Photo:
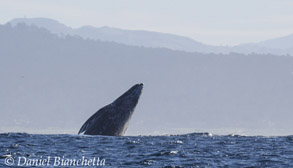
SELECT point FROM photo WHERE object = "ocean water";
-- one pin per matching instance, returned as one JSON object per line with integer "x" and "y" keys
{"x": 190, "y": 150}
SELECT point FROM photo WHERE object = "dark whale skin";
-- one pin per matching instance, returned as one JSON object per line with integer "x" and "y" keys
{"x": 113, "y": 119}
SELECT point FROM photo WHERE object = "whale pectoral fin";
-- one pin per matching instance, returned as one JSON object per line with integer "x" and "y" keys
{"x": 83, "y": 128}
{"x": 88, "y": 123}
{"x": 92, "y": 120}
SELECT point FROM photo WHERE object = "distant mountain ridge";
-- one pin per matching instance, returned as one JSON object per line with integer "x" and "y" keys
{"x": 279, "y": 43}
{"x": 129, "y": 37}
{"x": 278, "y": 46}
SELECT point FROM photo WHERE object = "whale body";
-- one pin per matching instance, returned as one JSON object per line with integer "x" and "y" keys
{"x": 113, "y": 119}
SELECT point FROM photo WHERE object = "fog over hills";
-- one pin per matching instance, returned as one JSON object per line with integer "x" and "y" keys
{"x": 52, "y": 82}
{"x": 279, "y": 46}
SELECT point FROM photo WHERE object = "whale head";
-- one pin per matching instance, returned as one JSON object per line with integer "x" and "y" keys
{"x": 129, "y": 98}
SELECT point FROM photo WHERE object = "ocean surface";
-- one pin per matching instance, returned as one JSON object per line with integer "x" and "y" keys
{"x": 190, "y": 150}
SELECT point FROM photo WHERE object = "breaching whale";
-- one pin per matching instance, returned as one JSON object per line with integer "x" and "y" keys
{"x": 113, "y": 119}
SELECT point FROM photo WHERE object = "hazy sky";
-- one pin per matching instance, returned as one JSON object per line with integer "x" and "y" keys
{"x": 218, "y": 22}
